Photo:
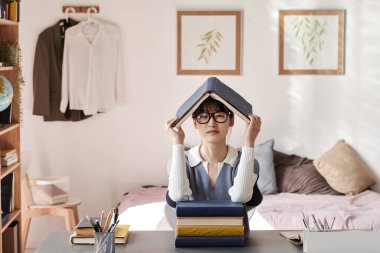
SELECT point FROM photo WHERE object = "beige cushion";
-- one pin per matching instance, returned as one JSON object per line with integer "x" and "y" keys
{"x": 344, "y": 170}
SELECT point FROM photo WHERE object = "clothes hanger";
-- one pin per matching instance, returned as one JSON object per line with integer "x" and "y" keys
{"x": 90, "y": 20}
{"x": 67, "y": 13}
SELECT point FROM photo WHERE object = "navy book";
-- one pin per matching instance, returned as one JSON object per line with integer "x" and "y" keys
{"x": 216, "y": 89}
{"x": 210, "y": 241}
{"x": 210, "y": 208}
{"x": 6, "y": 193}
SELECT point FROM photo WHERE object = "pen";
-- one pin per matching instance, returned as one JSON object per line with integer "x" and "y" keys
{"x": 101, "y": 219}
{"x": 97, "y": 227}
{"x": 320, "y": 224}
{"x": 116, "y": 214}
{"x": 332, "y": 224}
{"x": 315, "y": 222}
{"x": 305, "y": 220}
{"x": 112, "y": 221}
{"x": 114, "y": 226}
{"x": 326, "y": 224}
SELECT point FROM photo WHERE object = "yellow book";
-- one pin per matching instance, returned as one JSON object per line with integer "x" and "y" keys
{"x": 121, "y": 236}
{"x": 209, "y": 230}
{"x": 13, "y": 11}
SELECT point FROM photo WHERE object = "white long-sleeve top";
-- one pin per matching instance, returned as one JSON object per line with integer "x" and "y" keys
{"x": 242, "y": 189}
{"x": 93, "y": 69}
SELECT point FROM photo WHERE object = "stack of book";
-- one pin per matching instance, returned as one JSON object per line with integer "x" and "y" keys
{"x": 8, "y": 157}
{"x": 84, "y": 233}
{"x": 51, "y": 194}
{"x": 210, "y": 223}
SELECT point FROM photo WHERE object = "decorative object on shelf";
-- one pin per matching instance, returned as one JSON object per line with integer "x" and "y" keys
{"x": 6, "y": 95}
{"x": 10, "y": 53}
{"x": 312, "y": 42}
{"x": 208, "y": 42}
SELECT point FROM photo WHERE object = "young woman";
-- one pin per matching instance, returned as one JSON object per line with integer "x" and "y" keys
{"x": 213, "y": 170}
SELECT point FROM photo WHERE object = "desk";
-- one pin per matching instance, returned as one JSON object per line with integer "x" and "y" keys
{"x": 163, "y": 242}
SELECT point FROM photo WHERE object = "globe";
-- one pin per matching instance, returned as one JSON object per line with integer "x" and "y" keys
{"x": 6, "y": 93}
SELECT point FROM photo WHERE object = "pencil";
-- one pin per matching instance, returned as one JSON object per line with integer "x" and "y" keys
{"x": 107, "y": 221}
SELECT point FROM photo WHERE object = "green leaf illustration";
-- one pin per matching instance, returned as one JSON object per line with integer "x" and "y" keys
{"x": 210, "y": 43}
{"x": 311, "y": 33}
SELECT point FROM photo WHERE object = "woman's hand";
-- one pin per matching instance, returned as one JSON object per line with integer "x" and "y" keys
{"x": 177, "y": 134}
{"x": 253, "y": 129}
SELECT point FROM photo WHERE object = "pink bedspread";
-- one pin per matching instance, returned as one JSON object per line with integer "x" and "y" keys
{"x": 143, "y": 209}
{"x": 283, "y": 211}
{"x": 142, "y": 195}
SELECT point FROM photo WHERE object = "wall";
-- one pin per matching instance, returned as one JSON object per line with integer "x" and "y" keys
{"x": 109, "y": 154}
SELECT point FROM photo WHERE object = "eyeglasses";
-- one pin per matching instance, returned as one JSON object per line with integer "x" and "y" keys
{"x": 204, "y": 117}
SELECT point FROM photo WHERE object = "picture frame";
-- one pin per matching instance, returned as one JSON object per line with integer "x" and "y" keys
{"x": 311, "y": 42}
{"x": 208, "y": 42}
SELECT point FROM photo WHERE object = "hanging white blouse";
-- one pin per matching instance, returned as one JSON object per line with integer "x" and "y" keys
{"x": 93, "y": 69}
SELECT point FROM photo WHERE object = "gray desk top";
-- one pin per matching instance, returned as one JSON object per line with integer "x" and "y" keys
{"x": 163, "y": 242}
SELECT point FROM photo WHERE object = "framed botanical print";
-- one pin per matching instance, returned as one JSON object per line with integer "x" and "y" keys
{"x": 312, "y": 41}
{"x": 208, "y": 42}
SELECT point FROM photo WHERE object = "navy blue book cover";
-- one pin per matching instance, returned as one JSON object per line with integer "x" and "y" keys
{"x": 211, "y": 86}
{"x": 210, "y": 208}
{"x": 210, "y": 241}
{"x": 6, "y": 193}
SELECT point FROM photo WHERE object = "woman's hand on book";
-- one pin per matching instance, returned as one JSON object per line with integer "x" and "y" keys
{"x": 177, "y": 134}
{"x": 253, "y": 129}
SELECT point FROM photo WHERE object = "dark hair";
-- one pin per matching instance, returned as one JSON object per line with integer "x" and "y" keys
{"x": 212, "y": 105}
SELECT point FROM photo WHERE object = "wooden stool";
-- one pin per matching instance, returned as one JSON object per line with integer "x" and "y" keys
{"x": 68, "y": 210}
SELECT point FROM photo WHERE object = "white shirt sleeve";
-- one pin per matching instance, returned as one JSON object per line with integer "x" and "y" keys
{"x": 65, "y": 77}
{"x": 179, "y": 186}
{"x": 245, "y": 178}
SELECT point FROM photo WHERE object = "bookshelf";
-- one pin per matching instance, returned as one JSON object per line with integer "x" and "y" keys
{"x": 10, "y": 137}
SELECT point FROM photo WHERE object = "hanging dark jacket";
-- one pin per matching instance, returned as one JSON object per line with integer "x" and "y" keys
{"x": 47, "y": 74}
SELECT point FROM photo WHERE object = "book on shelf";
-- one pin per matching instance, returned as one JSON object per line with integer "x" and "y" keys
{"x": 216, "y": 89}
{"x": 13, "y": 11}
{"x": 84, "y": 227}
{"x": 2, "y": 11}
{"x": 210, "y": 241}
{"x": 209, "y": 230}
{"x": 6, "y": 115}
{"x": 10, "y": 160}
{"x": 223, "y": 208}
{"x": 6, "y": 153}
{"x": 51, "y": 194}
{"x": 210, "y": 221}
{"x": 6, "y": 193}
{"x": 10, "y": 238}
{"x": 121, "y": 236}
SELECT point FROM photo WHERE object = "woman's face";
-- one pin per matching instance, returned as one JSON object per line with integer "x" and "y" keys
{"x": 213, "y": 131}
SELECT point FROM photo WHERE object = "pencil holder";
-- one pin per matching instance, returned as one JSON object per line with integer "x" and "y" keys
{"x": 104, "y": 242}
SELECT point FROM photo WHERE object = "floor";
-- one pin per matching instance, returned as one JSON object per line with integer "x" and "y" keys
{"x": 29, "y": 250}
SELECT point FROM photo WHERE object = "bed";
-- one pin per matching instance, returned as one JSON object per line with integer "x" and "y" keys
{"x": 294, "y": 185}
{"x": 143, "y": 209}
